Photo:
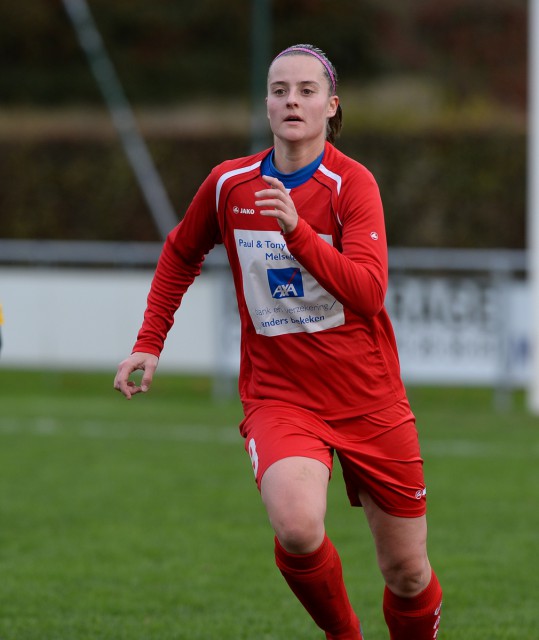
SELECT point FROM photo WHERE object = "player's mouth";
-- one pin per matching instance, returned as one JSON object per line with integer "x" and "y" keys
{"x": 293, "y": 118}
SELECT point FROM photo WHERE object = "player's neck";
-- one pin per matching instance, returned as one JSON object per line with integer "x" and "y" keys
{"x": 290, "y": 157}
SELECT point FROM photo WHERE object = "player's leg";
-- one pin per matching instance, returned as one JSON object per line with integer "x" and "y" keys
{"x": 413, "y": 596}
{"x": 294, "y": 492}
{"x": 383, "y": 471}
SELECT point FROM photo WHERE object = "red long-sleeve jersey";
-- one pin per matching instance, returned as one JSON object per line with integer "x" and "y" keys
{"x": 315, "y": 331}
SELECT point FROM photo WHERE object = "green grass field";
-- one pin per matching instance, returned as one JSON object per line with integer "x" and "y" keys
{"x": 141, "y": 521}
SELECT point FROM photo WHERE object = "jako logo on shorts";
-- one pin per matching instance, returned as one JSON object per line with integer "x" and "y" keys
{"x": 285, "y": 283}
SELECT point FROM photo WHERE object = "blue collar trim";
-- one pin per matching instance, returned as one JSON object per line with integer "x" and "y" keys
{"x": 290, "y": 180}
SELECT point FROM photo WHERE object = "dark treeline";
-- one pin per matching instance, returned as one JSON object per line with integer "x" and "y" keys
{"x": 457, "y": 186}
{"x": 170, "y": 51}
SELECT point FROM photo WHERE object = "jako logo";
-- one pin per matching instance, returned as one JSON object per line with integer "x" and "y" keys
{"x": 285, "y": 283}
{"x": 249, "y": 212}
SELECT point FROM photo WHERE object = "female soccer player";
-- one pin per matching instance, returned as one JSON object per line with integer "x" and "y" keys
{"x": 304, "y": 231}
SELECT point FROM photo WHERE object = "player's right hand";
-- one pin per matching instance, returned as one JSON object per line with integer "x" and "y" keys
{"x": 137, "y": 361}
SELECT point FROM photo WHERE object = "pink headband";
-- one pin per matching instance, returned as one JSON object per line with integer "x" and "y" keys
{"x": 327, "y": 66}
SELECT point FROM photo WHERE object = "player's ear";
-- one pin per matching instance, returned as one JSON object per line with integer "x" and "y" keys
{"x": 333, "y": 105}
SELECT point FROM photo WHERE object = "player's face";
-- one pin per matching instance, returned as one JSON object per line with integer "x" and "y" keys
{"x": 299, "y": 101}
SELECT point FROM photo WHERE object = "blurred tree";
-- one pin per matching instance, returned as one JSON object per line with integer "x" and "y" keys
{"x": 471, "y": 47}
{"x": 171, "y": 51}
{"x": 456, "y": 186}
{"x": 481, "y": 48}
{"x": 343, "y": 29}
{"x": 40, "y": 60}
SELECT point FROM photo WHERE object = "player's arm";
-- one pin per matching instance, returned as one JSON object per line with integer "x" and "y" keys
{"x": 357, "y": 277}
{"x": 179, "y": 263}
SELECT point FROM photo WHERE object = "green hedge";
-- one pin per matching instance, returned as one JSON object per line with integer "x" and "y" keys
{"x": 444, "y": 190}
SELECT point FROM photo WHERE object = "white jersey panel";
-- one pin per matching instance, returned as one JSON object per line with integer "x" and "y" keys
{"x": 281, "y": 296}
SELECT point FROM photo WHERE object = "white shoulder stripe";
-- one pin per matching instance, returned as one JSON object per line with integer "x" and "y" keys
{"x": 230, "y": 174}
{"x": 333, "y": 176}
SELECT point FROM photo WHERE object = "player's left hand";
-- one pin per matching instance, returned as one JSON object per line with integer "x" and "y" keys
{"x": 277, "y": 203}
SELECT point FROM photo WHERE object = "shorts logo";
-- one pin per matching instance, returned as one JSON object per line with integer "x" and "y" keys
{"x": 420, "y": 493}
{"x": 253, "y": 454}
{"x": 285, "y": 283}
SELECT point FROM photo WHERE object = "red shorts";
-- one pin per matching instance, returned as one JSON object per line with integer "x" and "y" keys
{"x": 379, "y": 453}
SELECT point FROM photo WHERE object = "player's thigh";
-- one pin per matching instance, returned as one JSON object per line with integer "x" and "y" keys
{"x": 294, "y": 492}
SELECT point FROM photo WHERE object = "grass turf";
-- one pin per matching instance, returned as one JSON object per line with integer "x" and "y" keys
{"x": 140, "y": 520}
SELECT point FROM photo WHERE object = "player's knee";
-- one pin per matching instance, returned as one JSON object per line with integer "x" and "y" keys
{"x": 406, "y": 578}
{"x": 300, "y": 535}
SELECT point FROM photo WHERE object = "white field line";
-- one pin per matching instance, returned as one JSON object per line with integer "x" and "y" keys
{"x": 106, "y": 430}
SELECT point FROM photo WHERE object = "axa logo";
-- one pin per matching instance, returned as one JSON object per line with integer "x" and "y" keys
{"x": 285, "y": 283}
{"x": 243, "y": 210}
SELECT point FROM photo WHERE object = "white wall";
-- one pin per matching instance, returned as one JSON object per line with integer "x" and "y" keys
{"x": 89, "y": 319}
{"x": 449, "y": 331}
